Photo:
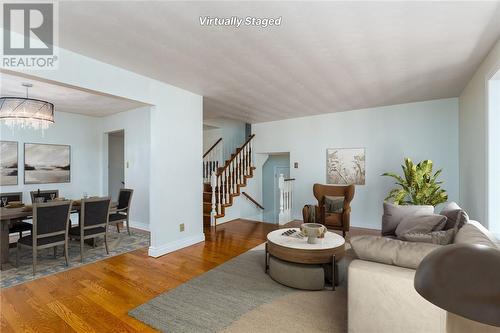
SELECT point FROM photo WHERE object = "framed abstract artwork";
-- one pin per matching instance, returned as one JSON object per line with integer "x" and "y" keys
{"x": 47, "y": 163}
{"x": 8, "y": 163}
{"x": 345, "y": 166}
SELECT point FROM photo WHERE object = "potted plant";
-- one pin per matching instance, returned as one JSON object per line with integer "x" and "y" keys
{"x": 418, "y": 185}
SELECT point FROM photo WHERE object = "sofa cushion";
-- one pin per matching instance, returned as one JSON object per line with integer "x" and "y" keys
{"x": 441, "y": 237}
{"x": 457, "y": 217}
{"x": 333, "y": 219}
{"x": 420, "y": 224}
{"x": 475, "y": 233}
{"x": 391, "y": 251}
{"x": 393, "y": 214}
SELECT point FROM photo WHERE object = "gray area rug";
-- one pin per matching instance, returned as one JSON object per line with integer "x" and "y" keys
{"x": 238, "y": 296}
{"x": 118, "y": 243}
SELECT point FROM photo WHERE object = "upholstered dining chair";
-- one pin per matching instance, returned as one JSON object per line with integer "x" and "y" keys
{"x": 17, "y": 226}
{"x": 94, "y": 218}
{"x": 334, "y": 207}
{"x": 123, "y": 209}
{"x": 50, "y": 229}
{"x": 46, "y": 195}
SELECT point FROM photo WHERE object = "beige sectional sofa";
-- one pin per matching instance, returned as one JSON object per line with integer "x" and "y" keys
{"x": 382, "y": 298}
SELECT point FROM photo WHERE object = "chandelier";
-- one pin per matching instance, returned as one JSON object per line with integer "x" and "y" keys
{"x": 25, "y": 112}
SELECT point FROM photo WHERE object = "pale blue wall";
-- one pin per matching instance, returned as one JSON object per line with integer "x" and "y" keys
{"x": 423, "y": 130}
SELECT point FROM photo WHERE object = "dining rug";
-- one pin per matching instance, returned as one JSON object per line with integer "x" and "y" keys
{"x": 238, "y": 296}
{"x": 118, "y": 243}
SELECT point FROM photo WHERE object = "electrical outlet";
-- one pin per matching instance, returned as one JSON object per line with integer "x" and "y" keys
{"x": 181, "y": 227}
{"x": 296, "y": 165}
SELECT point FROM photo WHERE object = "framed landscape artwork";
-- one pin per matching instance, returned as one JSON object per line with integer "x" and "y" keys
{"x": 8, "y": 163}
{"x": 46, "y": 163}
{"x": 345, "y": 166}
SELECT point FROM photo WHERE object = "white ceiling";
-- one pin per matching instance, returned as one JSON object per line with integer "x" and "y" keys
{"x": 66, "y": 99}
{"x": 326, "y": 56}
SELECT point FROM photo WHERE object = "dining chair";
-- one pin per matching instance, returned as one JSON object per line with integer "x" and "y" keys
{"x": 17, "y": 226}
{"x": 50, "y": 229}
{"x": 123, "y": 209}
{"x": 93, "y": 223}
{"x": 46, "y": 195}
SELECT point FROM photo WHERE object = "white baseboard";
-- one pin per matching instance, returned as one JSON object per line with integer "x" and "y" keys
{"x": 175, "y": 245}
{"x": 139, "y": 225}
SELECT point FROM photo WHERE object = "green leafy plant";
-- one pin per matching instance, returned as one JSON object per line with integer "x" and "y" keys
{"x": 419, "y": 186}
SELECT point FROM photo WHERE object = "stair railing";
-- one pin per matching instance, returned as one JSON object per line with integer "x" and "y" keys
{"x": 212, "y": 159}
{"x": 249, "y": 197}
{"x": 286, "y": 199}
{"x": 225, "y": 182}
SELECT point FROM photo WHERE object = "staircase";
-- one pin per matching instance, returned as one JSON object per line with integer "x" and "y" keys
{"x": 222, "y": 184}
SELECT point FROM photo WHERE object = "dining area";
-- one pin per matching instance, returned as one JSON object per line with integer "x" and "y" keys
{"x": 50, "y": 229}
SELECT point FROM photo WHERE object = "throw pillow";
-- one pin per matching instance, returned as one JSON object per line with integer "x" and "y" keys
{"x": 391, "y": 251}
{"x": 457, "y": 217}
{"x": 421, "y": 224}
{"x": 393, "y": 214}
{"x": 334, "y": 204}
{"x": 441, "y": 237}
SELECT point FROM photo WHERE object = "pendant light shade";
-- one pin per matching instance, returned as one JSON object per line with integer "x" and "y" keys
{"x": 26, "y": 112}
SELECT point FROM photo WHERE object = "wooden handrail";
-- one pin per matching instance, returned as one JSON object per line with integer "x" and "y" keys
{"x": 252, "y": 200}
{"x": 234, "y": 156}
{"x": 211, "y": 148}
{"x": 289, "y": 179}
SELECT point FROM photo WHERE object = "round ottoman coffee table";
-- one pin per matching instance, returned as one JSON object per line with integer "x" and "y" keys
{"x": 299, "y": 260}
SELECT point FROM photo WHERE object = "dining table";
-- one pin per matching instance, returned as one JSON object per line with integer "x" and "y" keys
{"x": 8, "y": 215}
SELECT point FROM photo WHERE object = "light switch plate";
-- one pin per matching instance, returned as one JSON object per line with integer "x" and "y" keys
{"x": 181, "y": 227}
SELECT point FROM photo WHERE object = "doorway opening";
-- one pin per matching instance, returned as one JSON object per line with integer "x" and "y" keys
{"x": 116, "y": 163}
{"x": 275, "y": 165}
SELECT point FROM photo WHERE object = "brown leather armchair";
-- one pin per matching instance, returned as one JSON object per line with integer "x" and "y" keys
{"x": 332, "y": 220}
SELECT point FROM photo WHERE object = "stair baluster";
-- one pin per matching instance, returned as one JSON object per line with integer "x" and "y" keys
{"x": 213, "y": 182}
{"x": 240, "y": 168}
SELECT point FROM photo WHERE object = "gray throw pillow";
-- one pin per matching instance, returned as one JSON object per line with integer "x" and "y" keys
{"x": 393, "y": 214}
{"x": 391, "y": 251}
{"x": 457, "y": 217}
{"x": 421, "y": 224}
{"x": 334, "y": 204}
{"x": 441, "y": 237}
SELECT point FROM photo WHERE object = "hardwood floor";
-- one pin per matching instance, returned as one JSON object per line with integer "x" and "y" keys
{"x": 97, "y": 297}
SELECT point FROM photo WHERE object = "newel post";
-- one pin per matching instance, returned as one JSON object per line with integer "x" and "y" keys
{"x": 281, "y": 186}
{"x": 213, "y": 183}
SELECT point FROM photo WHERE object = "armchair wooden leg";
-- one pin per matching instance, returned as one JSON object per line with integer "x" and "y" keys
{"x": 128, "y": 228}
{"x": 55, "y": 252}
{"x": 118, "y": 227}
